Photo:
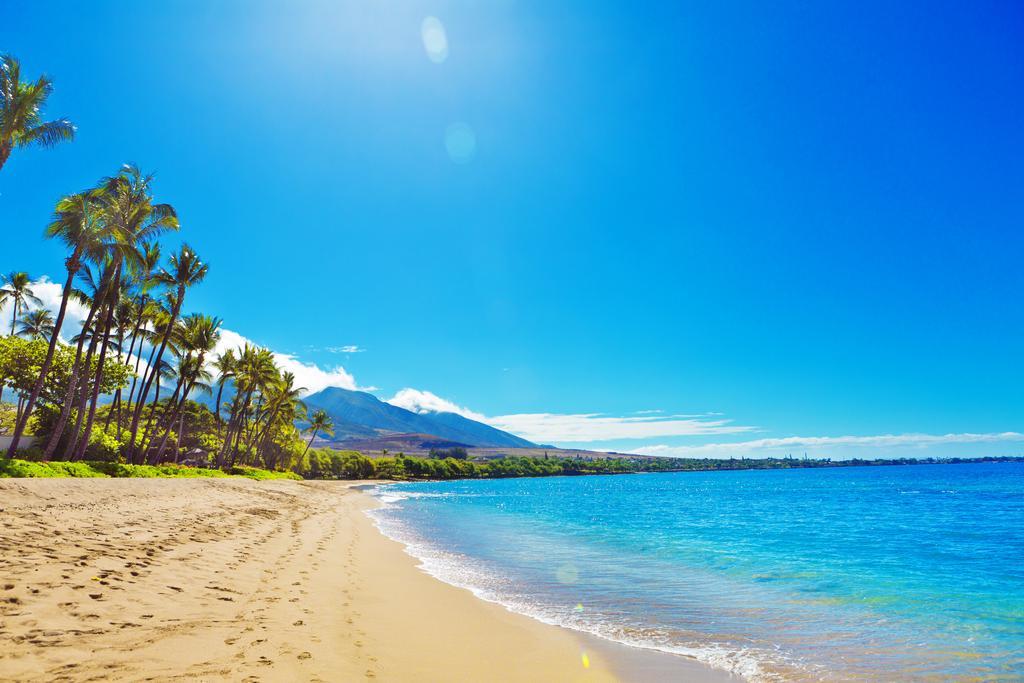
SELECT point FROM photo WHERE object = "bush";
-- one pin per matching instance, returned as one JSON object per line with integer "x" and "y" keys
{"x": 103, "y": 447}
{"x": 33, "y": 453}
{"x": 23, "y": 468}
{"x": 256, "y": 473}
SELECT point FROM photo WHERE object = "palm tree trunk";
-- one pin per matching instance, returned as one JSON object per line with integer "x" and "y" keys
{"x": 156, "y": 371}
{"x": 117, "y": 394}
{"x": 250, "y": 439}
{"x": 228, "y": 433}
{"x": 145, "y": 374}
{"x": 84, "y": 442}
{"x": 149, "y": 423}
{"x": 164, "y": 423}
{"x": 174, "y": 408}
{"x": 310, "y": 443}
{"x": 65, "y": 411}
{"x": 262, "y": 439}
{"x": 5, "y": 151}
{"x": 177, "y": 445}
{"x": 72, "y": 266}
{"x": 240, "y": 428}
{"x": 216, "y": 408}
{"x": 82, "y": 397}
{"x": 138, "y": 359}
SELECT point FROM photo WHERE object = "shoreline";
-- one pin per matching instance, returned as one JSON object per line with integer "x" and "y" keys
{"x": 224, "y": 579}
{"x": 627, "y": 662}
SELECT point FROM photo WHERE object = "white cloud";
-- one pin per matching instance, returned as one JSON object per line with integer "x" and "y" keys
{"x": 575, "y": 428}
{"x": 348, "y": 348}
{"x": 591, "y": 427}
{"x": 308, "y": 375}
{"x": 426, "y": 402}
{"x": 50, "y": 294}
{"x": 766, "y": 447}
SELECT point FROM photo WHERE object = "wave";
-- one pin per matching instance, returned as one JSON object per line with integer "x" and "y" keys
{"x": 486, "y": 583}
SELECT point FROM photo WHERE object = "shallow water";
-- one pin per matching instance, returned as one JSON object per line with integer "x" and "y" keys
{"x": 908, "y": 573}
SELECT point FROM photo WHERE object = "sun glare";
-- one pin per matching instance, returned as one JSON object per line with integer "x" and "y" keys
{"x": 435, "y": 41}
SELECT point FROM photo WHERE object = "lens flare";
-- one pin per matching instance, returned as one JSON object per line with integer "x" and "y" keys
{"x": 435, "y": 40}
{"x": 460, "y": 141}
{"x": 567, "y": 573}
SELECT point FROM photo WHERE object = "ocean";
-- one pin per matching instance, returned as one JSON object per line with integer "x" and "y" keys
{"x": 909, "y": 573}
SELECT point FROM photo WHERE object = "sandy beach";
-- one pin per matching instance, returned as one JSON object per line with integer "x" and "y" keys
{"x": 160, "y": 579}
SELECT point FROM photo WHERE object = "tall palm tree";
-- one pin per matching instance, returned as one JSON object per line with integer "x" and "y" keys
{"x": 199, "y": 336}
{"x": 37, "y": 324}
{"x": 145, "y": 311}
{"x": 95, "y": 285}
{"x": 225, "y": 368}
{"x": 124, "y": 317}
{"x": 21, "y": 112}
{"x": 17, "y": 289}
{"x": 283, "y": 408}
{"x": 186, "y": 270}
{"x": 76, "y": 224}
{"x": 151, "y": 318}
{"x": 132, "y": 220}
{"x": 319, "y": 422}
{"x": 254, "y": 372}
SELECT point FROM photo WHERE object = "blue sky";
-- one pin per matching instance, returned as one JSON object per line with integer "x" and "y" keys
{"x": 796, "y": 221}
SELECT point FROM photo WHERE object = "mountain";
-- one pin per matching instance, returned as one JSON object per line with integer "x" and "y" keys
{"x": 359, "y": 415}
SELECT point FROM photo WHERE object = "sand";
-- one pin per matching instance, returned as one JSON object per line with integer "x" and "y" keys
{"x": 231, "y": 579}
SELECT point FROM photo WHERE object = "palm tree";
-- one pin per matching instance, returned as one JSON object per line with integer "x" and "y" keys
{"x": 254, "y": 372}
{"x": 319, "y": 422}
{"x": 283, "y": 408}
{"x": 131, "y": 220}
{"x": 37, "y": 324}
{"x": 186, "y": 270}
{"x": 145, "y": 310}
{"x": 21, "y": 112}
{"x": 152, "y": 317}
{"x": 225, "y": 367}
{"x": 199, "y": 336}
{"x": 95, "y": 285}
{"x": 75, "y": 222}
{"x": 17, "y": 289}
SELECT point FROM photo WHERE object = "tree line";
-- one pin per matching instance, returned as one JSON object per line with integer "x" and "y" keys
{"x": 326, "y": 463}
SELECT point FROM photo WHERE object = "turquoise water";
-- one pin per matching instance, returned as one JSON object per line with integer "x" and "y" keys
{"x": 887, "y": 573}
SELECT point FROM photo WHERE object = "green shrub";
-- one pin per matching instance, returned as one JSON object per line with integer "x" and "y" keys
{"x": 256, "y": 473}
{"x": 33, "y": 453}
{"x": 103, "y": 447}
{"x": 24, "y": 468}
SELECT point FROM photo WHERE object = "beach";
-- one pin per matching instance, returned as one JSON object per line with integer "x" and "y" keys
{"x": 231, "y": 579}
